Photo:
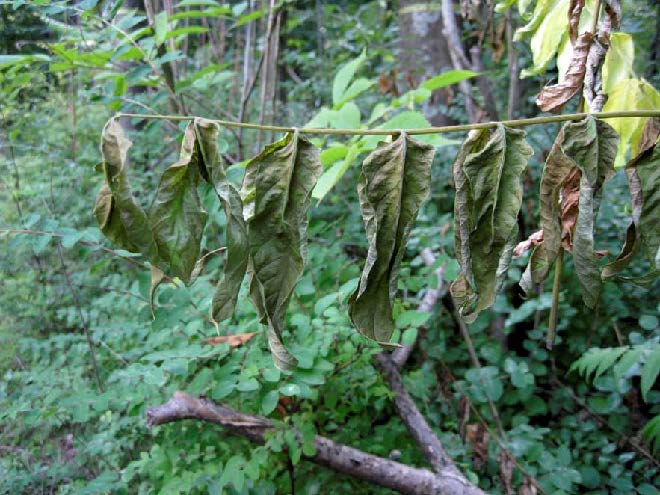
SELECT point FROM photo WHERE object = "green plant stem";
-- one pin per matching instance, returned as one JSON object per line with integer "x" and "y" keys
{"x": 426, "y": 130}
{"x": 556, "y": 285}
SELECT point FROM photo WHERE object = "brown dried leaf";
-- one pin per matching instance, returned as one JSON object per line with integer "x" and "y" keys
{"x": 574, "y": 12}
{"x": 463, "y": 416}
{"x": 553, "y": 98}
{"x": 570, "y": 202}
{"x": 506, "y": 471}
{"x": 233, "y": 340}
{"x": 478, "y": 437}
{"x": 613, "y": 17}
{"x": 650, "y": 135}
{"x": 498, "y": 41}
{"x": 533, "y": 240}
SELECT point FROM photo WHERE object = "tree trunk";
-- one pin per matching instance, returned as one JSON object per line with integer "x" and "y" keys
{"x": 423, "y": 51}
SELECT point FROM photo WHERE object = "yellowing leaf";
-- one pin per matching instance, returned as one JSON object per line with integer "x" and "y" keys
{"x": 630, "y": 94}
{"x": 619, "y": 59}
{"x": 547, "y": 28}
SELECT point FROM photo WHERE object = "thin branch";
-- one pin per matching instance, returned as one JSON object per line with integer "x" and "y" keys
{"x": 341, "y": 458}
{"x": 457, "y": 55}
{"x": 426, "y": 130}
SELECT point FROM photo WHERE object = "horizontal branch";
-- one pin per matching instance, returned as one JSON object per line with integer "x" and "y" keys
{"x": 427, "y": 130}
{"x": 346, "y": 460}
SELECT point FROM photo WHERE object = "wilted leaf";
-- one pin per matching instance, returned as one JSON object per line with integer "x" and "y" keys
{"x": 506, "y": 471}
{"x": 488, "y": 179}
{"x": 574, "y": 13}
{"x": 176, "y": 215}
{"x": 237, "y": 243}
{"x": 570, "y": 207}
{"x": 588, "y": 146}
{"x": 644, "y": 232}
{"x": 596, "y": 162}
{"x": 277, "y": 189}
{"x": 565, "y": 53}
{"x": 395, "y": 180}
{"x": 533, "y": 240}
{"x": 233, "y": 340}
{"x": 478, "y": 437}
{"x": 120, "y": 217}
{"x": 157, "y": 277}
{"x": 553, "y": 98}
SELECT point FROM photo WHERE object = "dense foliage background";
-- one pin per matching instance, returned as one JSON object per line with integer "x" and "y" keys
{"x": 81, "y": 356}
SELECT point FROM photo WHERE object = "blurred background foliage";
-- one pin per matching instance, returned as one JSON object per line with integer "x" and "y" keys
{"x": 68, "y": 298}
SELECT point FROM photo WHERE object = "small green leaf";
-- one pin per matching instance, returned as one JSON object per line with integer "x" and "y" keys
{"x": 290, "y": 389}
{"x": 331, "y": 176}
{"x": 344, "y": 77}
{"x": 447, "y": 79}
{"x": 269, "y": 402}
{"x": 650, "y": 371}
{"x": 648, "y": 322}
{"x": 160, "y": 27}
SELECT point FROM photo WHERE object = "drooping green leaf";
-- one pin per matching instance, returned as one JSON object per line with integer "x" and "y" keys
{"x": 394, "y": 181}
{"x": 277, "y": 188}
{"x": 644, "y": 232}
{"x": 589, "y": 146}
{"x": 488, "y": 179}
{"x": 176, "y": 215}
{"x": 120, "y": 217}
{"x": 237, "y": 243}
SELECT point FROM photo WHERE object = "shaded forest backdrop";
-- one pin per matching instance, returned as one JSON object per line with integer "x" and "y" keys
{"x": 84, "y": 352}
